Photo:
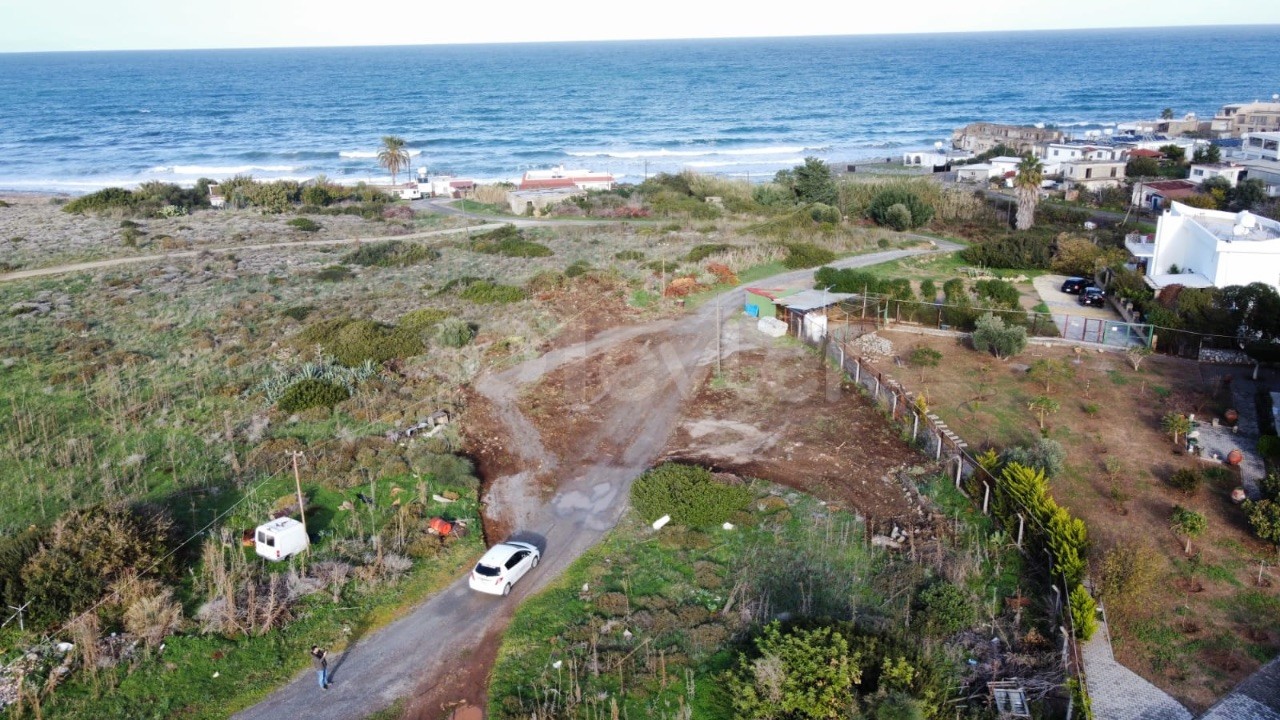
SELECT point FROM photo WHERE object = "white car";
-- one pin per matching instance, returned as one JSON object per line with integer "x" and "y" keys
{"x": 502, "y": 566}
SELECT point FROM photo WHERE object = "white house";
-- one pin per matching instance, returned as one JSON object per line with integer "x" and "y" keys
{"x": 976, "y": 173}
{"x": 449, "y": 186}
{"x": 1093, "y": 174}
{"x": 558, "y": 178}
{"x": 1003, "y": 165}
{"x": 1212, "y": 248}
{"x": 1063, "y": 152}
{"x": 1259, "y": 153}
{"x": 934, "y": 158}
{"x": 1227, "y": 171}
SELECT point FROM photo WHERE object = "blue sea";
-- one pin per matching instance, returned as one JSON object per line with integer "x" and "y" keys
{"x": 75, "y": 122}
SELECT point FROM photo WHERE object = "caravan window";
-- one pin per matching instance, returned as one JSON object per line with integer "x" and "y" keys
{"x": 265, "y": 539}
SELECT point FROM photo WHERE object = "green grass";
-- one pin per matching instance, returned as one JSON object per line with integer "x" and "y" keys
{"x": 181, "y": 682}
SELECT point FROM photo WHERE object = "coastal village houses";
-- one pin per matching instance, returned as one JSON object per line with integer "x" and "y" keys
{"x": 978, "y": 138}
{"x": 540, "y": 189}
{"x": 1259, "y": 153}
{"x": 1237, "y": 119}
{"x": 1209, "y": 248}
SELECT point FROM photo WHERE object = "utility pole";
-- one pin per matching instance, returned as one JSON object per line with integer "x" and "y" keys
{"x": 302, "y": 505}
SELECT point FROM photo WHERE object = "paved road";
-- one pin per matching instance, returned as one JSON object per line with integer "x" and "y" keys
{"x": 377, "y": 670}
{"x": 1118, "y": 693}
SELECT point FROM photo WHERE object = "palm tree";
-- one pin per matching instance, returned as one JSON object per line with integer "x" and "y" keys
{"x": 393, "y": 156}
{"x": 1027, "y": 188}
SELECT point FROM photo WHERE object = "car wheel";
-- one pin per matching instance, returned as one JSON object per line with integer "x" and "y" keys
{"x": 506, "y": 589}
{"x": 535, "y": 562}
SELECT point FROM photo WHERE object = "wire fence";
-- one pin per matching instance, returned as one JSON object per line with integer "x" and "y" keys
{"x": 933, "y": 438}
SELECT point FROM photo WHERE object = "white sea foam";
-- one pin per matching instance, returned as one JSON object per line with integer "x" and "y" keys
{"x": 362, "y": 154}
{"x": 216, "y": 171}
{"x": 732, "y": 163}
{"x": 708, "y": 152}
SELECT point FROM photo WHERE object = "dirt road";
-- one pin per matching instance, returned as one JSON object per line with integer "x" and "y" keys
{"x": 420, "y": 653}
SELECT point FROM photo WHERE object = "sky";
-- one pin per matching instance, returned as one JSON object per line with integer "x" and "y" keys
{"x": 52, "y": 25}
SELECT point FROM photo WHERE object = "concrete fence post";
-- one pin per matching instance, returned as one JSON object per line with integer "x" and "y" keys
{"x": 893, "y": 409}
{"x": 876, "y": 392}
{"x": 1021, "y": 524}
{"x": 986, "y": 496}
{"x": 915, "y": 425}
{"x": 937, "y": 455}
{"x": 959, "y": 469}
{"x": 857, "y": 370}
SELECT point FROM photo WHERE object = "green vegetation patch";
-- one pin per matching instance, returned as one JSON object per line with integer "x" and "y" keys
{"x": 352, "y": 341}
{"x": 304, "y": 224}
{"x": 509, "y": 241}
{"x": 802, "y": 255}
{"x": 391, "y": 253}
{"x": 688, "y": 493}
{"x": 486, "y": 292}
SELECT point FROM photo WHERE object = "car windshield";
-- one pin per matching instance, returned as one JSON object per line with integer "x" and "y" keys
{"x": 486, "y": 570}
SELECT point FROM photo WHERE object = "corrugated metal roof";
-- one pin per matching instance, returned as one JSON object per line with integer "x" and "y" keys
{"x": 812, "y": 300}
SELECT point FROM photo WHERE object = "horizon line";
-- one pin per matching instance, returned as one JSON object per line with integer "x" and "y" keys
{"x": 1120, "y": 28}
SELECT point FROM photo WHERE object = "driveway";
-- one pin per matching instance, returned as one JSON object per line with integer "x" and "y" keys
{"x": 1082, "y": 322}
{"x": 417, "y": 651}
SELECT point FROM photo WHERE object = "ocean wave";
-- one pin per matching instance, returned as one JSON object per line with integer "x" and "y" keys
{"x": 787, "y": 162}
{"x": 367, "y": 154}
{"x": 709, "y": 152}
{"x": 221, "y": 170}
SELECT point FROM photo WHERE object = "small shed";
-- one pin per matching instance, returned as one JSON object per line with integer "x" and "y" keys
{"x": 795, "y": 308}
{"x": 762, "y": 302}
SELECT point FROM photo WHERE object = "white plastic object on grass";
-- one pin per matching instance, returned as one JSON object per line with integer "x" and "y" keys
{"x": 727, "y": 526}
{"x": 657, "y": 524}
{"x": 557, "y": 664}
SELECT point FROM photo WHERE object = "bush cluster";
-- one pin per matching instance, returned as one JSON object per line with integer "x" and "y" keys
{"x": 1015, "y": 251}
{"x": 689, "y": 494}
{"x": 698, "y": 253}
{"x": 304, "y": 224}
{"x": 351, "y": 342}
{"x": 945, "y": 609}
{"x": 455, "y": 333}
{"x": 509, "y": 240}
{"x": 1044, "y": 454}
{"x": 802, "y": 255}
{"x": 391, "y": 253}
{"x": 998, "y": 292}
{"x": 899, "y": 208}
{"x": 310, "y": 393}
{"x": 150, "y": 199}
{"x": 486, "y": 292}
{"x": 990, "y": 334}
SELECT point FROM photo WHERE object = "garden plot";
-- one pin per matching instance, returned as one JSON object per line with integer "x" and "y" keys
{"x": 1202, "y": 623}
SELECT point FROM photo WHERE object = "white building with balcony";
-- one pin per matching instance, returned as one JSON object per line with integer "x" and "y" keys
{"x": 1211, "y": 248}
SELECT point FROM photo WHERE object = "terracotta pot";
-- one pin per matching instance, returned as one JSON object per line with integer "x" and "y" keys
{"x": 1231, "y": 416}
{"x": 1234, "y": 457}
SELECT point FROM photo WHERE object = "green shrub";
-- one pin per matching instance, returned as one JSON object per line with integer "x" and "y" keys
{"x": 991, "y": 335}
{"x": 928, "y": 291}
{"x": 422, "y": 319}
{"x": 823, "y": 213}
{"x": 1044, "y": 454}
{"x": 625, "y": 255}
{"x": 304, "y": 224}
{"x": 351, "y": 342}
{"x": 1269, "y": 446}
{"x": 798, "y": 674}
{"x": 455, "y": 333}
{"x": 335, "y": 273}
{"x": 89, "y": 549}
{"x": 391, "y": 253}
{"x": 112, "y": 198}
{"x": 1187, "y": 480}
{"x": 698, "y": 253}
{"x": 898, "y": 217}
{"x": 945, "y": 610}
{"x": 509, "y": 241}
{"x": 998, "y": 292}
{"x": 299, "y": 312}
{"x": 577, "y": 269}
{"x": 881, "y": 208}
{"x": 310, "y": 393}
{"x": 1017, "y": 251}
{"x": 316, "y": 195}
{"x": 15, "y": 551}
{"x": 689, "y": 494}
{"x": 485, "y": 292}
{"x": 806, "y": 255}
{"x": 1084, "y": 612}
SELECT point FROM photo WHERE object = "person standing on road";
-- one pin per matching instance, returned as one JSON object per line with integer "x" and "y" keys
{"x": 320, "y": 661}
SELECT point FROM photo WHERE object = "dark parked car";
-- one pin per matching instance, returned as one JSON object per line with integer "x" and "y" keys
{"x": 1093, "y": 296}
{"x": 1076, "y": 285}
